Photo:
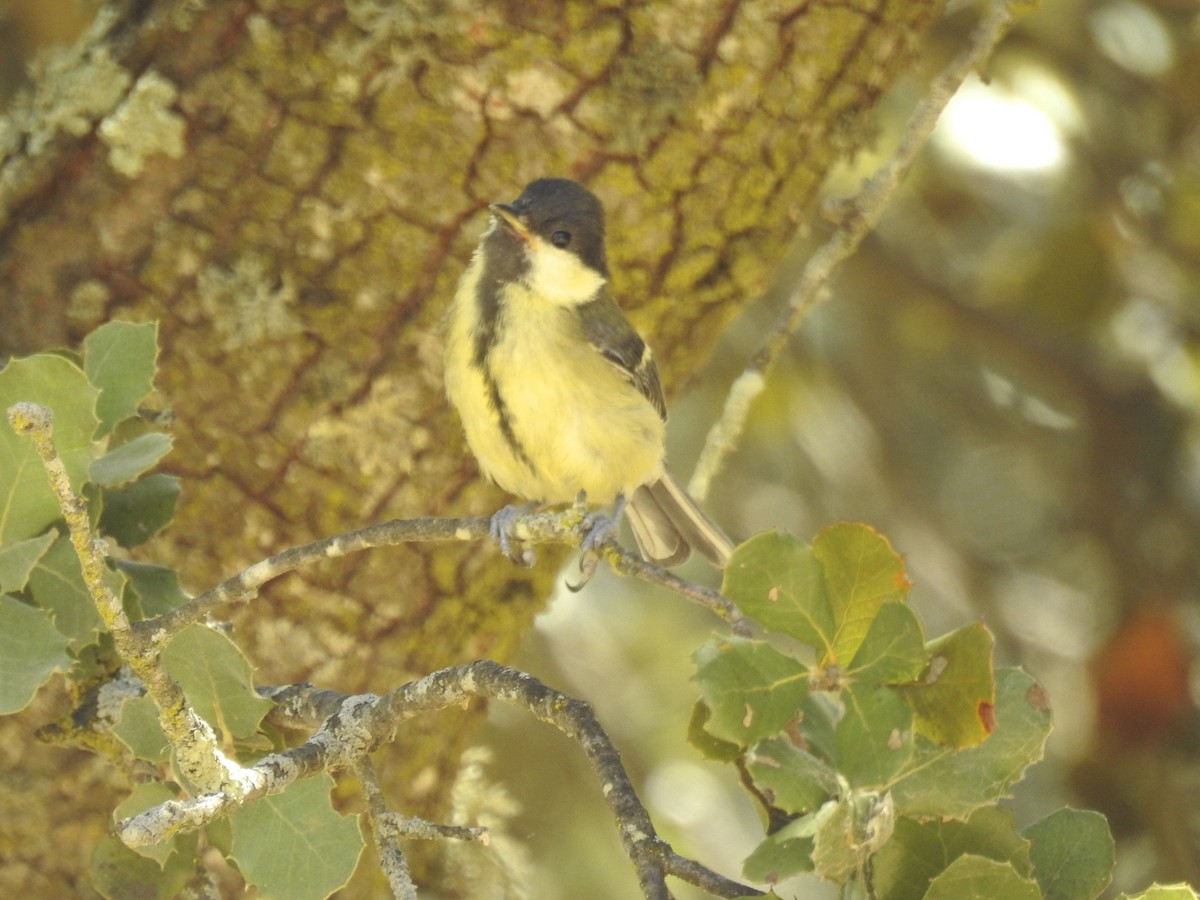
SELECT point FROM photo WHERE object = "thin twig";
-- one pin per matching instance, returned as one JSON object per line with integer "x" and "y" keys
{"x": 385, "y": 834}
{"x": 536, "y": 527}
{"x": 858, "y": 217}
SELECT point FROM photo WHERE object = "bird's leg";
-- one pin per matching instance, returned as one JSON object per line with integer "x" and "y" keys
{"x": 599, "y": 527}
{"x": 500, "y": 527}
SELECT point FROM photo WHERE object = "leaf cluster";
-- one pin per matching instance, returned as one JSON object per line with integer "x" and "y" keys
{"x": 49, "y": 623}
{"x": 877, "y": 756}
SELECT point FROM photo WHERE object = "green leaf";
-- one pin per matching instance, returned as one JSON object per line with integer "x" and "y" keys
{"x": 17, "y": 561}
{"x": 862, "y": 572}
{"x": 56, "y": 584}
{"x": 791, "y": 779}
{"x": 976, "y": 878}
{"x": 954, "y": 699}
{"x": 826, "y": 595}
{"x": 1073, "y": 854}
{"x": 134, "y": 513}
{"x": 157, "y": 586}
{"x": 893, "y": 651}
{"x": 1163, "y": 892}
{"x": 118, "y": 873}
{"x": 143, "y": 797}
{"x": 31, "y": 650}
{"x": 294, "y": 844}
{"x": 818, "y": 715}
{"x": 216, "y": 679}
{"x": 776, "y": 580}
{"x": 138, "y": 729}
{"x": 919, "y": 851}
{"x": 751, "y": 688}
{"x": 710, "y": 747}
{"x": 128, "y": 461}
{"x": 119, "y": 358}
{"x": 943, "y": 782}
{"x": 874, "y": 736}
{"x": 27, "y": 505}
{"x": 786, "y": 853}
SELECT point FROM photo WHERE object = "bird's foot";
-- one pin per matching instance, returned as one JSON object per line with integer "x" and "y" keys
{"x": 598, "y": 527}
{"x": 500, "y": 527}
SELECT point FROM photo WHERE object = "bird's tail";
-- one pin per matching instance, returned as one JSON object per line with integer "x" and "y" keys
{"x": 668, "y": 525}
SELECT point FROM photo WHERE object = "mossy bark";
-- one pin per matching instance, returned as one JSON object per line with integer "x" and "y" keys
{"x": 292, "y": 190}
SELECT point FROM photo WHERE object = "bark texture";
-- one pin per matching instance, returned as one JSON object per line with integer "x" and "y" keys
{"x": 292, "y": 189}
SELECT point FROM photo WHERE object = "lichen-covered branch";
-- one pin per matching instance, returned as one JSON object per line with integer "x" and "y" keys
{"x": 358, "y": 723}
{"x": 194, "y": 742}
{"x": 385, "y": 833}
{"x": 565, "y": 527}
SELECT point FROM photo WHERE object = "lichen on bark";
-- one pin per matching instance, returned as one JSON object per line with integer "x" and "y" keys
{"x": 301, "y": 246}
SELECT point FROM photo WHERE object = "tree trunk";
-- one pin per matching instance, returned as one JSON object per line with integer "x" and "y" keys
{"x": 292, "y": 190}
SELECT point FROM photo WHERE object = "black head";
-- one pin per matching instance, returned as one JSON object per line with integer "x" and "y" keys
{"x": 566, "y": 214}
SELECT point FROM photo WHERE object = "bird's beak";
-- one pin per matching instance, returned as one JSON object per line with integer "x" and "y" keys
{"x": 510, "y": 219}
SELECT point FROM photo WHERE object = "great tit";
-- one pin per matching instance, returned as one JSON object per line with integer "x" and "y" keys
{"x": 558, "y": 394}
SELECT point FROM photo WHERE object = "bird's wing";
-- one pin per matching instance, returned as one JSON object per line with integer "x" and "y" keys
{"x": 611, "y": 335}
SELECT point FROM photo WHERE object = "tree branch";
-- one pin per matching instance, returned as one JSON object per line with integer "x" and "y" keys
{"x": 358, "y": 723}
{"x": 565, "y": 527}
{"x": 194, "y": 741}
{"x": 385, "y": 833}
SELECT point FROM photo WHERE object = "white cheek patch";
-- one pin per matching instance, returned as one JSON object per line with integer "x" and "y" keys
{"x": 560, "y": 276}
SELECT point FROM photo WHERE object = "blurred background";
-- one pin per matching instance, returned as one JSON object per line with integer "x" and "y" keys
{"x": 1005, "y": 380}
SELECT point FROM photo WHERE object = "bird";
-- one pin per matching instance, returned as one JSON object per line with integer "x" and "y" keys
{"x": 559, "y": 396}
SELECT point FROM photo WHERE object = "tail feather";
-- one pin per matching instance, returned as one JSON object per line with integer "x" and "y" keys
{"x": 668, "y": 525}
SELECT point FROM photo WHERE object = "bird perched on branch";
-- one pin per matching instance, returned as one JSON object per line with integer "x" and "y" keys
{"x": 558, "y": 394}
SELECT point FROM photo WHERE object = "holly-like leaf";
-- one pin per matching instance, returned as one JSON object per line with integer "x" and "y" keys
{"x": 119, "y": 359}
{"x": 56, "y": 584}
{"x": 791, "y": 779}
{"x": 977, "y": 878}
{"x": 157, "y": 587}
{"x": 826, "y": 595}
{"x": 862, "y": 572}
{"x": 711, "y": 747}
{"x": 1163, "y": 892}
{"x": 118, "y": 873}
{"x": 134, "y": 513}
{"x": 1073, "y": 854}
{"x": 139, "y": 730}
{"x": 941, "y": 781}
{"x": 294, "y": 844}
{"x": 128, "y": 461}
{"x": 777, "y": 581}
{"x": 27, "y": 505}
{"x": 874, "y": 736}
{"x": 17, "y": 561}
{"x": 215, "y": 677}
{"x": 786, "y": 853}
{"x": 954, "y": 699}
{"x": 31, "y": 650}
{"x": 919, "y": 851}
{"x": 751, "y": 688}
{"x": 893, "y": 650}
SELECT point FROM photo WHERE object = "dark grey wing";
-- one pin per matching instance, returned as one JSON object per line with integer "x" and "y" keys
{"x": 609, "y": 332}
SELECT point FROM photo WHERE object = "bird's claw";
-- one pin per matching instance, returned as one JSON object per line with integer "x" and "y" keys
{"x": 500, "y": 528}
{"x": 598, "y": 528}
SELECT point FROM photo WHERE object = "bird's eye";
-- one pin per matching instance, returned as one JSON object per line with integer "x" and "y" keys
{"x": 561, "y": 239}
